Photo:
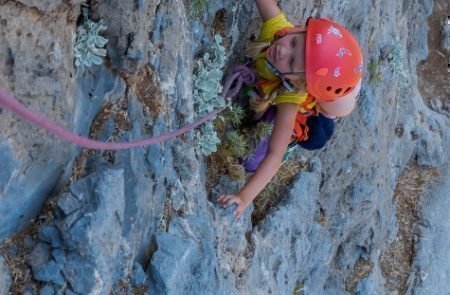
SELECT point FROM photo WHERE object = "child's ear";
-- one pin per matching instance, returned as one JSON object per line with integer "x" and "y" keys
{"x": 341, "y": 107}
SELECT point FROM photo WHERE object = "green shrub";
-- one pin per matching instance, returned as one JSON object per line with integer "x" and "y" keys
{"x": 198, "y": 7}
{"x": 375, "y": 72}
{"x": 236, "y": 144}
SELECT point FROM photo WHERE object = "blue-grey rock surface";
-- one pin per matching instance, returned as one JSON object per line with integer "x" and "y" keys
{"x": 431, "y": 269}
{"x": 143, "y": 219}
{"x": 5, "y": 277}
{"x": 37, "y": 67}
{"x": 445, "y": 42}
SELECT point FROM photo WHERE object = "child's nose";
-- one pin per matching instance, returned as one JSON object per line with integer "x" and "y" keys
{"x": 281, "y": 52}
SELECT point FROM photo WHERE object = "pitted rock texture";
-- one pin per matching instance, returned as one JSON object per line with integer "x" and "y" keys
{"x": 5, "y": 277}
{"x": 142, "y": 219}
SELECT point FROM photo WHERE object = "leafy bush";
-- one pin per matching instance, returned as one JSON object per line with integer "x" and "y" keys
{"x": 237, "y": 144}
{"x": 207, "y": 86}
{"x": 89, "y": 45}
{"x": 207, "y": 139}
{"x": 236, "y": 114}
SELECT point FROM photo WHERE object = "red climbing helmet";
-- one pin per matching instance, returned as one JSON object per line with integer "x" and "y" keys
{"x": 333, "y": 60}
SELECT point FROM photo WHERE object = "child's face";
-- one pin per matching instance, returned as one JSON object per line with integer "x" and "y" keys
{"x": 287, "y": 55}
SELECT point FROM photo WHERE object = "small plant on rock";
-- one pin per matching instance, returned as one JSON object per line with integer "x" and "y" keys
{"x": 375, "y": 72}
{"x": 207, "y": 86}
{"x": 263, "y": 130}
{"x": 207, "y": 139}
{"x": 89, "y": 46}
{"x": 198, "y": 7}
{"x": 237, "y": 144}
{"x": 236, "y": 114}
{"x": 396, "y": 65}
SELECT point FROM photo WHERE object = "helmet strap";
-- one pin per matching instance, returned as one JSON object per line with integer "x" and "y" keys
{"x": 285, "y": 81}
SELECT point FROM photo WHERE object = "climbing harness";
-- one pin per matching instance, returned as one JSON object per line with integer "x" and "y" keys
{"x": 239, "y": 76}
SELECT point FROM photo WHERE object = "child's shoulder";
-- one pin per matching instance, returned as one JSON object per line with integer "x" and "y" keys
{"x": 299, "y": 98}
{"x": 272, "y": 25}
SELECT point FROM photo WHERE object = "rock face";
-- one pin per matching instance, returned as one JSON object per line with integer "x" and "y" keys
{"x": 36, "y": 62}
{"x": 430, "y": 267}
{"x": 445, "y": 42}
{"x": 5, "y": 278}
{"x": 142, "y": 218}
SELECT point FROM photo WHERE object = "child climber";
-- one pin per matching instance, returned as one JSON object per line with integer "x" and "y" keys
{"x": 311, "y": 74}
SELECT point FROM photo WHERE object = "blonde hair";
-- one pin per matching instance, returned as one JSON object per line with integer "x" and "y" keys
{"x": 255, "y": 48}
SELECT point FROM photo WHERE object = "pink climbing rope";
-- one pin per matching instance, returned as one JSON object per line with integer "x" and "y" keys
{"x": 240, "y": 75}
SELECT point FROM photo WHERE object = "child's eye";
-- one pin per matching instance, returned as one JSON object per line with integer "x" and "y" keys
{"x": 291, "y": 63}
{"x": 293, "y": 42}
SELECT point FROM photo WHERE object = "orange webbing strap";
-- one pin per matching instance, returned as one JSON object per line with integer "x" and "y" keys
{"x": 300, "y": 127}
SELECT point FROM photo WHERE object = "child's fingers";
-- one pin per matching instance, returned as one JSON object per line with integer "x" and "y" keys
{"x": 240, "y": 209}
{"x": 224, "y": 200}
{"x": 237, "y": 213}
{"x": 231, "y": 201}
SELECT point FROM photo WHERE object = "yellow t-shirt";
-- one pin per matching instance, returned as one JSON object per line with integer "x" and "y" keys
{"x": 267, "y": 34}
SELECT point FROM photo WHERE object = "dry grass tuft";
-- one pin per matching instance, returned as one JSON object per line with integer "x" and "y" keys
{"x": 15, "y": 251}
{"x": 222, "y": 163}
{"x": 396, "y": 259}
{"x": 219, "y": 23}
{"x": 145, "y": 86}
{"x": 79, "y": 165}
{"x": 118, "y": 111}
{"x": 361, "y": 270}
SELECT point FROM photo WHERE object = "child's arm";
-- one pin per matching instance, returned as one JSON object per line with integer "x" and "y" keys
{"x": 281, "y": 136}
{"x": 267, "y": 9}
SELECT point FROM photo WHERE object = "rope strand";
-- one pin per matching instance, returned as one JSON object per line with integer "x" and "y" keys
{"x": 240, "y": 74}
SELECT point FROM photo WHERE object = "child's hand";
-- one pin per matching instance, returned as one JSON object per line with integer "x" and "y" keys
{"x": 226, "y": 201}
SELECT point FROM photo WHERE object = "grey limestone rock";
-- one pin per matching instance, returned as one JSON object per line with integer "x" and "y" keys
{"x": 44, "y": 268}
{"x": 50, "y": 234}
{"x": 445, "y": 42}
{"x": 5, "y": 277}
{"x": 128, "y": 31}
{"x": 43, "y": 5}
{"x": 289, "y": 243}
{"x": 139, "y": 278}
{"x": 149, "y": 206}
{"x": 36, "y": 64}
{"x": 430, "y": 266}
{"x": 47, "y": 290}
{"x": 90, "y": 250}
{"x": 172, "y": 265}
